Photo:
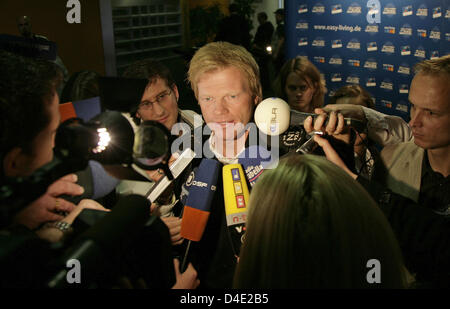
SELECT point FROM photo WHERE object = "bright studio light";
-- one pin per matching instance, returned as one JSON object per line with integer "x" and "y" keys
{"x": 104, "y": 139}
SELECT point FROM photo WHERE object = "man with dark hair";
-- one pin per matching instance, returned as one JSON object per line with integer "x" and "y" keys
{"x": 263, "y": 36}
{"x": 29, "y": 117}
{"x": 234, "y": 28}
{"x": 278, "y": 44}
{"x": 159, "y": 103}
{"x": 24, "y": 27}
{"x": 263, "y": 39}
{"x": 415, "y": 165}
{"x": 160, "y": 99}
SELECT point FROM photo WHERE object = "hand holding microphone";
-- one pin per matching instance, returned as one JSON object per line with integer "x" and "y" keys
{"x": 273, "y": 116}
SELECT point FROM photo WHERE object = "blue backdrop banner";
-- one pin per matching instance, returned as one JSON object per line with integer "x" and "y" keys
{"x": 373, "y": 43}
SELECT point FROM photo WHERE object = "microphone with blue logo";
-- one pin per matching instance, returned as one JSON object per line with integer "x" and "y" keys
{"x": 198, "y": 203}
{"x": 254, "y": 160}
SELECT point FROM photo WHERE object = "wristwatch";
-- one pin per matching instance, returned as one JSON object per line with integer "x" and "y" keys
{"x": 63, "y": 226}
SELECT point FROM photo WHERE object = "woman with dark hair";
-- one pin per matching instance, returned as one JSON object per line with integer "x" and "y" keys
{"x": 301, "y": 85}
{"x": 310, "y": 225}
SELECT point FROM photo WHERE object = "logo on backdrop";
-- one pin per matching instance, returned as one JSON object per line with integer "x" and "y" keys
{"x": 318, "y": 42}
{"x": 372, "y": 46}
{"x": 404, "y": 68}
{"x": 407, "y": 10}
{"x": 422, "y": 11}
{"x": 370, "y": 64}
{"x": 335, "y": 60}
{"x": 405, "y": 50}
{"x": 420, "y": 52}
{"x": 371, "y": 29}
{"x": 303, "y": 8}
{"x": 336, "y": 9}
{"x": 405, "y": 31}
{"x": 402, "y": 107}
{"x": 303, "y": 41}
{"x": 435, "y": 34}
{"x": 371, "y": 81}
{"x": 389, "y": 10}
{"x": 302, "y": 25}
{"x": 354, "y": 9}
{"x": 354, "y": 45}
{"x": 336, "y": 44}
{"x": 403, "y": 88}
{"x": 318, "y": 9}
{"x": 437, "y": 13}
{"x": 388, "y": 48}
{"x": 336, "y": 78}
{"x": 352, "y": 79}
{"x": 387, "y": 85}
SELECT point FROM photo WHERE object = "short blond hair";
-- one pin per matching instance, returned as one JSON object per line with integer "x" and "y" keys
{"x": 220, "y": 55}
{"x": 436, "y": 66}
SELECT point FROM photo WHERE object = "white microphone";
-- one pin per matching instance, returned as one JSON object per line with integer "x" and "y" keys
{"x": 273, "y": 116}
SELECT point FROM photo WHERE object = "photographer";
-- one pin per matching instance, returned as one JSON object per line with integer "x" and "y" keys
{"x": 29, "y": 118}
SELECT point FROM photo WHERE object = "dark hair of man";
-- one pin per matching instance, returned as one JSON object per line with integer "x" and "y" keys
{"x": 361, "y": 95}
{"x": 262, "y": 15}
{"x": 27, "y": 87}
{"x": 80, "y": 86}
{"x": 148, "y": 69}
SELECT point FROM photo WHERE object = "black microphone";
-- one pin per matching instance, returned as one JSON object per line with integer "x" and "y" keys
{"x": 102, "y": 245}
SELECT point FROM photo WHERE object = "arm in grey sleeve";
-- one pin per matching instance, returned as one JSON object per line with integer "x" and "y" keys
{"x": 386, "y": 129}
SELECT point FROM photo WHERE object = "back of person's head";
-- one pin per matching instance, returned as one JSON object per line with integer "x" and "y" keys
{"x": 352, "y": 94}
{"x": 306, "y": 70}
{"x": 434, "y": 67}
{"x": 220, "y": 55}
{"x": 262, "y": 16}
{"x": 149, "y": 69}
{"x": 233, "y": 8}
{"x": 310, "y": 225}
{"x": 26, "y": 90}
{"x": 80, "y": 86}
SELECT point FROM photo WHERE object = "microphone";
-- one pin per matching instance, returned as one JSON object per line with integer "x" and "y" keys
{"x": 254, "y": 160}
{"x": 103, "y": 183}
{"x": 198, "y": 203}
{"x": 236, "y": 197}
{"x": 273, "y": 116}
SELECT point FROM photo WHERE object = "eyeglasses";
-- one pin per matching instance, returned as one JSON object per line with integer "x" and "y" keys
{"x": 160, "y": 98}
